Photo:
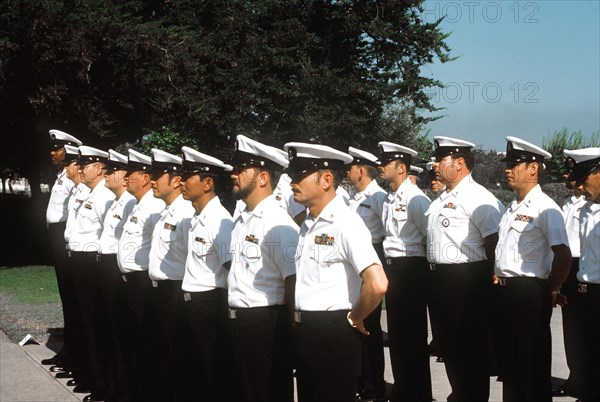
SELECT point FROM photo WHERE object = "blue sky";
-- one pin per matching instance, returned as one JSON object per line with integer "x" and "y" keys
{"x": 525, "y": 68}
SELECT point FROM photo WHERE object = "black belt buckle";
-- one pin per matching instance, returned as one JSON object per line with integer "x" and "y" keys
{"x": 432, "y": 266}
{"x": 501, "y": 281}
{"x": 582, "y": 287}
{"x": 231, "y": 313}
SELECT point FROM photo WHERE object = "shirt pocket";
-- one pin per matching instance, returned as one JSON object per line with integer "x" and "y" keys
{"x": 168, "y": 235}
{"x": 449, "y": 218}
{"x": 202, "y": 248}
{"x": 522, "y": 226}
{"x": 328, "y": 266}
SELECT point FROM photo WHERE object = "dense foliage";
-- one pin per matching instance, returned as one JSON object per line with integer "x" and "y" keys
{"x": 336, "y": 72}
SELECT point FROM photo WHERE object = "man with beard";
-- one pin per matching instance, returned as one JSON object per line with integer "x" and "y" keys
{"x": 262, "y": 276}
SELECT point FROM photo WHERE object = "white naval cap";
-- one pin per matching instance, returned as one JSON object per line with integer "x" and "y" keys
{"x": 444, "y": 146}
{"x": 518, "y": 150}
{"x": 582, "y": 162}
{"x": 197, "y": 162}
{"x": 89, "y": 155}
{"x": 164, "y": 162}
{"x": 59, "y": 138}
{"x": 415, "y": 169}
{"x": 361, "y": 157}
{"x": 306, "y": 158}
{"x": 388, "y": 151}
{"x": 137, "y": 161}
{"x": 116, "y": 161}
{"x": 71, "y": 153}
{"x": 249, "y": 152}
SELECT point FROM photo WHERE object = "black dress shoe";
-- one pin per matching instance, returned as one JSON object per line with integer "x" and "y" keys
{"x": 81, "y": 389}
{"x": 55, "y": 360}
{"x": 72, "y": 383}
{"x": 559, "y": 391}
{"x": 58, "y": 368}
{"x": 93, "y": 398}
{"x": 64, "y": 374}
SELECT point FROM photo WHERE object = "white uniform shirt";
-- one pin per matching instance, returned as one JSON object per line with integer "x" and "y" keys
{"x": 589, "y": 261}
{"x": 115, "y": 219}
{"x": 58, "y": 208}
{"x": 168, "y": 251}
{"x": 334, "y": 248}
{"x": 134, "y": 245}
{"x": 528, "y": 230}
{"x": 459, "y": 220}
{"x": 208, "y": 245}
{"x": 87, "y": 228}
{"x": 368, "y": 204}
{"x": 263, "y": 246}
{"x": 405, "y": 221}
{"x": 571, "y": 211}
{"x": 78, "y": 195}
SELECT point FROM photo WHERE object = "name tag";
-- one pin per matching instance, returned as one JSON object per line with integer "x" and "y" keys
{"x": 88, "y": 206}
{"x": 251, "y": 238}
{"x": 524, "y": 218}
{"x": 133, "y": 219}
{"x": 200, "y": 240}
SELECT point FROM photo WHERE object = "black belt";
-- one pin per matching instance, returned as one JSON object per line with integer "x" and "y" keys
{"x": 506, "y": 281}
{"x": 90, "y": 255}
{"x": 167, "y": 283}
{"x": 133, "y": 273}
{"x": 188, "y": 296}
{"x": 105, "y": 257}
{"x": 463, "y": 265}
{"x": 591, "y": 288}
{"x": 252, "y": 312}
{"x": 398, "y": 260}
{"x": 319, "y": 316}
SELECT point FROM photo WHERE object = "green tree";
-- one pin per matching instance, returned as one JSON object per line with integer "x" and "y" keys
{"x": 328, "y": 71}
{"x": 558, "y": 142}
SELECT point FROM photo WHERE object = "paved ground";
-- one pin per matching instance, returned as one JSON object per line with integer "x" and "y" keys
{"x": 23, "y": 379}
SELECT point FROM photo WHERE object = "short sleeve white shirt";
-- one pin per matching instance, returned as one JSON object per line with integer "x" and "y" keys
{"x": 87, "y": 228}
{"x": 405, "y": 221}
{"x": 134, "y": 245}
{"x": 368, "y": 204}
{"x": 208, "y": 246}
{"x": 571, "y": 211}
{"x": 263, "y": 246}
{"x": 459, "y": 220}
{"x": 528, "y": 230}
{"x": 115, "y": 219}
{"x": 58, "y": 207}
{"x": 589, "y": 261}
{"x": 334, "y": 248}
{"x": 78, "y": 195}
{"x": 168, "y": 251}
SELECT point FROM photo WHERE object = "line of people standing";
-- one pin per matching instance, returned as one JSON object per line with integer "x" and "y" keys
{"x": 168, "y": 297}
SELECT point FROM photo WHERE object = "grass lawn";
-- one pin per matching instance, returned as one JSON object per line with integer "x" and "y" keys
{"x": 31, "y": 285}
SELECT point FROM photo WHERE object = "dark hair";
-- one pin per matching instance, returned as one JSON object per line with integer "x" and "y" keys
{"x": 467, "y": 156}
{"x": 274, "y": 175}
